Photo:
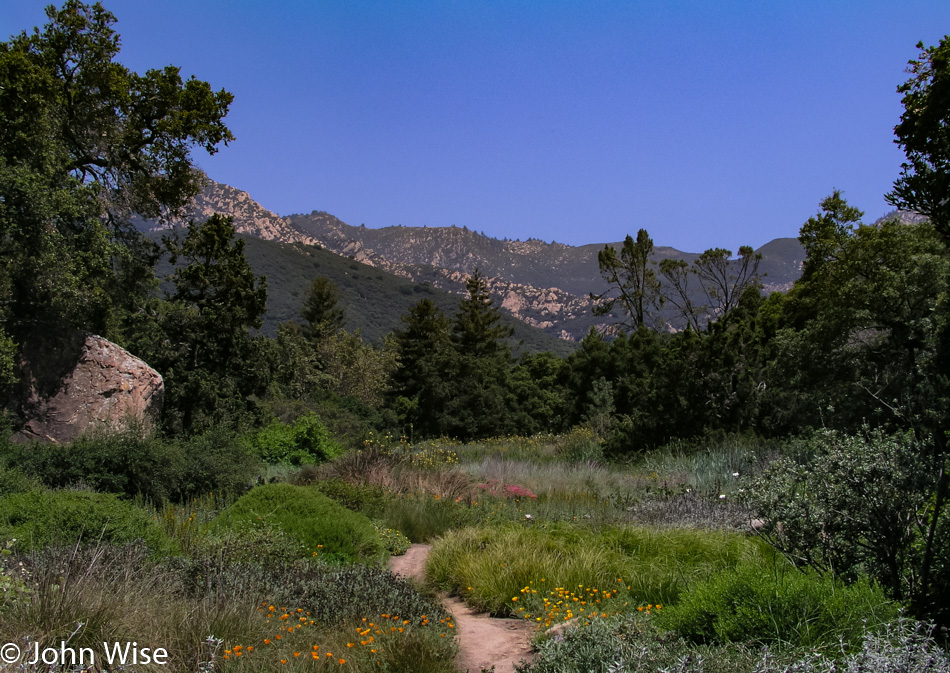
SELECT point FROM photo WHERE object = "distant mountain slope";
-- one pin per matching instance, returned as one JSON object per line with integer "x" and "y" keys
{"x": 545, "y": 285}
{"x": 374, "y": 299}
{"x": 250, "y": 217}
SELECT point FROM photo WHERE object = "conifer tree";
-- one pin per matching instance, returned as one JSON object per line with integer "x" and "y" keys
{"x": 419, "y": 385}
{"x": 477, "y": 331}
{"x": 478, "y": 405}
{"x": 321, "y": 309}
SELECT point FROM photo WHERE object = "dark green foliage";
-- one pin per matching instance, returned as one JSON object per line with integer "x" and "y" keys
{"x": 823, "y": 235}
{"x": 765, "y": 606}
{"x": 38, "y": 519}
{"x": 922, "y": 133}
{"x": 321, "y": 310}
{"x": 297, "y": 372}
{"x": 477, "y": 377}
{"x": 863, "y": 504}
{"x": 14, "y": 480}
{"x": 478, "y": 331}
{"x": 632, "y": 282}
{"x": 216, "y": 279}
{"x": 199, "y": 338}
{"x": 363, "y": 498}
{"x": 139, "y": 464}
{"x": 418, "y": 386}
{"x": 863, "y": 324}
{"x": 457, "y": 383}
{"x": 349, "y": 419}
{"x": 85, "y": 143}
{"x": 537, "y": 384}
{"x": 322, "y": 526}
{"x": 304, "y": 441}
{"x": 858, "y": 339}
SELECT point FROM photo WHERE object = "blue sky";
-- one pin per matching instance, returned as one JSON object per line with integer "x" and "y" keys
{"x": 712, "y": 123}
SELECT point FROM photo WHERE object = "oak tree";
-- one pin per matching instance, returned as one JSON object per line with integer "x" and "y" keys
{"x": 86, "y": 144}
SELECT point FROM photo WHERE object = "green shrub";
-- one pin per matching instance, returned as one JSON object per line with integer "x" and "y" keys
{"x": 140, "y": 464}
{"x": 363, "y": 498}
{"x": 759, "y": 605}
{"x": 13, "y": 480}
{"x": 324, "y": 528}
{"x": 396, "y": 543}
{"x": 259, "y": 543}
{"x": 304, "y": 441}
{"x": 213, "y": 461}
{"x": 335, "y": 594}
{"x": 632, "y": 644}
{"x": 863, "y": 504}
{"x": 38, "y": 519}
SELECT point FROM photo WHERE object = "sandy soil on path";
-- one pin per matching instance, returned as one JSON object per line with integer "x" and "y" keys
{"x": 483, "y": 641}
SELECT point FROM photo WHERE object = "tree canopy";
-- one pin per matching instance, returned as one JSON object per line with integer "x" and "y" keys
{"x": 86, "y": 144}
{"x": 924, "y": 135}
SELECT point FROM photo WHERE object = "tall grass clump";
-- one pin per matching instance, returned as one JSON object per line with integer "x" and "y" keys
{"x": 422, "y": 517}
{"x": 490, "y": 565}
{"x": 778, "y": 606}
{"x": 580, "y": 445}
{"x": 710, "y": 469}
{"x": 324, "y": 528}
{"x": 86, "y": 596}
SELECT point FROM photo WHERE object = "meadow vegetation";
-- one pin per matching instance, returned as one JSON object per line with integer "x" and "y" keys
{"x": 647, "y": 563}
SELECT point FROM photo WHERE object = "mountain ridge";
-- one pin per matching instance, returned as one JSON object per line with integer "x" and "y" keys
{"x": 546, "y": 285}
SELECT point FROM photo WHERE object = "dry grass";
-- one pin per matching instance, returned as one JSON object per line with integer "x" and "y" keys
{"x": 88, "y": 596}
{"x": 376, "y": 466}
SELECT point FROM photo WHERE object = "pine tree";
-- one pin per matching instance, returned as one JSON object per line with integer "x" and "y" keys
{"x": 321, "y": 309}
{"x": 478, "y": 405}
{"x": 201, "y": 342}
{"x": 477, "y": 331}
{"x": 419, "y": 385}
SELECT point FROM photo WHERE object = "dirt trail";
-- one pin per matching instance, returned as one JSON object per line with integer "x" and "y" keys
{"x": 483, "y": 641}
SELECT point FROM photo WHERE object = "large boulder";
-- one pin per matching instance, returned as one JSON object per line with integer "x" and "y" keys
{"x": 83, "y": 382}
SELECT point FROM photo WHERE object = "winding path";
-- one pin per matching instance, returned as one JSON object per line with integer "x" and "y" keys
{"x": 483, "y": 641}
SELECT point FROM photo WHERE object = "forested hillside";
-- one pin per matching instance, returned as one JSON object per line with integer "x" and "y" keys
{"x": 545, "y": 285}
{"x": 372, "y": 299}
